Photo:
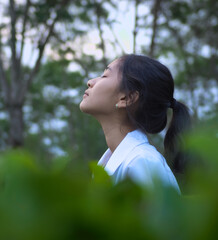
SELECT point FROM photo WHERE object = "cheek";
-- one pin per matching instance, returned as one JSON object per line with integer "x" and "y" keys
{"x": 108, "y": 97}
{"x": 111, "y": 90}
{"x": 99, "y": 103}
{"x": 102, "y": 99}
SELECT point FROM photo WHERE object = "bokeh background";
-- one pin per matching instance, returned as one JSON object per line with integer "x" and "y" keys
{"x": 48, "y": 51}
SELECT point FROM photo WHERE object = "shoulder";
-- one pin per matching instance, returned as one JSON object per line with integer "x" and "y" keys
{"x": 145, "y": 163}
{"x": 145, "y": 154}
{"x": 142, "y": 160}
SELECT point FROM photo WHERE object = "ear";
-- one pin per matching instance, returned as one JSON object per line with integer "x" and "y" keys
{"x": 128, "y": 100}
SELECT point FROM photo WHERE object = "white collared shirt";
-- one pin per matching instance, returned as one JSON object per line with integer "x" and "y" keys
{"x": 136, "y": 158}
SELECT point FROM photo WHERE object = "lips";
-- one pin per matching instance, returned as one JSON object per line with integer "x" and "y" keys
{"x": 85, "y": 94}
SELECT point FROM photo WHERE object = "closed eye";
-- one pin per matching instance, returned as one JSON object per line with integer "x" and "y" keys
{"x": 103, "y": 76}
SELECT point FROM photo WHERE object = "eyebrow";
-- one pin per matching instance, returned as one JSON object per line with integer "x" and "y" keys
{"x": 108, "y": 68}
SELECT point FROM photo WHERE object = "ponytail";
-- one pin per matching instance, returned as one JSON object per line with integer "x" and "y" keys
{"x": 180, "y": 123}
{"x": 154, "y": 83}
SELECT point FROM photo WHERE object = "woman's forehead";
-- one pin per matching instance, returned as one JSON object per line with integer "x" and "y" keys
{"x": 113, "y": 64}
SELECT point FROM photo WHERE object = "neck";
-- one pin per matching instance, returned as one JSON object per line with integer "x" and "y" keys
{"x": 115, "y": 132}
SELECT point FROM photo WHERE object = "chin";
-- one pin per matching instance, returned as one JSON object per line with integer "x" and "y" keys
{"x": 83, "y": 108}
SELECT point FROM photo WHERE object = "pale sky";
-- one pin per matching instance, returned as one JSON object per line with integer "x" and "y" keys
{"x": 123, "y": 30}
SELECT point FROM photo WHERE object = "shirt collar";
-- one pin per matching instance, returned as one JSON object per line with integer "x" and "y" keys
{"x": 131, "y": 140}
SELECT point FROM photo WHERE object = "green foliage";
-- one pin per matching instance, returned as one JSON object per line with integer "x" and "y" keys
{"x": 66, "y": 202}
{"x": 48, "y": 101}
{"x": 100, "y": 176}
{"x": 55, "y": 73}
{"x": 180, "y": 10}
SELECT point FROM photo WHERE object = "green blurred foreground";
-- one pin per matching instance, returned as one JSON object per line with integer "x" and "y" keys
{"x": 65, "y": 202}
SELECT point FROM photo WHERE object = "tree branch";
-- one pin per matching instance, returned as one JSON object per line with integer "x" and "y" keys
{"x": 156, "y": 9}
{"x": 41, "y": 48}
{"x": 3, "y": 81}
{"x": 135, "y": 30}
{"x": 102, "y": 45}
{"x": 115, "y": 37}
{"x": 188, "y": 71}
{"x": 24, "y": 29}
{"x": 13, "y": 31}
{"x": 14, "y": 63}
{"x": 13, "y": 41}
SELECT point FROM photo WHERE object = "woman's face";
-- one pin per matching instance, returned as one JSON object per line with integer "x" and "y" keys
{"x": 103, "y": 92}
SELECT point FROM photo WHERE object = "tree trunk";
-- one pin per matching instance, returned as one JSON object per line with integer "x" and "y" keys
{"x": 16, "y": 125}
{"x": 135, "y": 30}
{"x": 156, "y": 9}
{"x": 15, "y": 90}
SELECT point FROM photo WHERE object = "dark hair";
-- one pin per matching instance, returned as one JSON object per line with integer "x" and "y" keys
{"x": 155, "y": 86}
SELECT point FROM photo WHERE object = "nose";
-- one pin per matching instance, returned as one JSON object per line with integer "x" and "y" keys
{"x": 90, "y": 83}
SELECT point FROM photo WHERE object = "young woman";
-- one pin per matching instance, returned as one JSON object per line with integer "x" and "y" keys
{"x": 129, "y": 100}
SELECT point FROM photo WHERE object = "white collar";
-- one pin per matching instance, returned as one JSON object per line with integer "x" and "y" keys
{"x": 131, "y": 140}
